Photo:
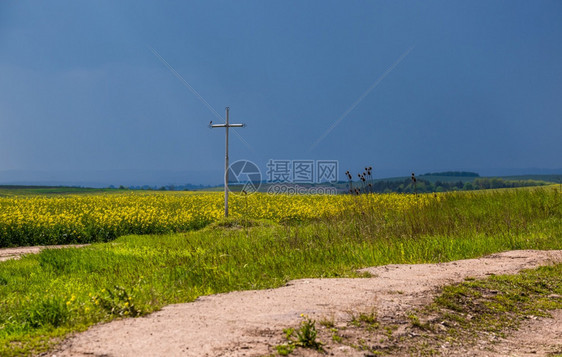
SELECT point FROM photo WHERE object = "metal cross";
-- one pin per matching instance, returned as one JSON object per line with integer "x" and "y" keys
{"x": 226, "y": 126}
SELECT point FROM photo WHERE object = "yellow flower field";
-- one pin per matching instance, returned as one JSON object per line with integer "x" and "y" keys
{"x": 83, "y": 218}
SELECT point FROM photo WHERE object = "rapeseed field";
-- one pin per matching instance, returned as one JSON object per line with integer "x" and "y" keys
{"x": 87, "y": 218}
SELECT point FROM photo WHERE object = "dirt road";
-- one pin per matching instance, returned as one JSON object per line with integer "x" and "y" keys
{"x": 250, "y": 323}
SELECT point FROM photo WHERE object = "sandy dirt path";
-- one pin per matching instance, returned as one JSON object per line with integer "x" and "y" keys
{"x": 15, "y": 253}
{"x": 250, "y": 323}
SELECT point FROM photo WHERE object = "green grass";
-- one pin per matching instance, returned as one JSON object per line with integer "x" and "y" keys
{"x": 47, "y": 295}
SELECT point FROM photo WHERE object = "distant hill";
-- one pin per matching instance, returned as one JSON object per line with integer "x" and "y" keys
{"x": 453, "y": 174}
{"x": 10, "y": 190}
{"x": 449, "y": 176}
{"x": 428, "y": 182}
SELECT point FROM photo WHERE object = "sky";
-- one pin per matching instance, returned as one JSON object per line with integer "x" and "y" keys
{"x": 122, "y": 92}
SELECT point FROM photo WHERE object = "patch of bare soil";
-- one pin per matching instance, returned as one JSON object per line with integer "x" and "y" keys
{"x": 536, "y": 337}
{"x": 250, "y": 323}
{"x": 16, "y": 253}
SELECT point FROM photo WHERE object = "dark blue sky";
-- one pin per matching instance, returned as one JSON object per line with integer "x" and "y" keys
{"x": 83, "y": 97}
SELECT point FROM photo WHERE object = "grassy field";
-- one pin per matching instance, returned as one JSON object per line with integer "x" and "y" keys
{"x": 87, "y": 218}
{"x": 270, "y": 240}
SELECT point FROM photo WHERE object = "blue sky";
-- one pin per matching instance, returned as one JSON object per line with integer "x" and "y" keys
{"x": 83, "y": 98}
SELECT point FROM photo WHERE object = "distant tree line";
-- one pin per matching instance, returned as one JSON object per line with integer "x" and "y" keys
{"x": 494, "y": 182}
{"x": 425, "y": 186}
{"x": 187, "y": 187}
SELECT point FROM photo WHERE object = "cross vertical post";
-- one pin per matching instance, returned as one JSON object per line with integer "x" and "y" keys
{"x": 226, "y": 166}
{"x": 226, "y": 126}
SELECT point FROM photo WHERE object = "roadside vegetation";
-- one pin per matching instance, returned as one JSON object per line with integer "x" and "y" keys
{"x": 46, "y": 296}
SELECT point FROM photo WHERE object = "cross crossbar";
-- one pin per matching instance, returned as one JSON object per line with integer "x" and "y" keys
{"x": 226, "y": 125}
